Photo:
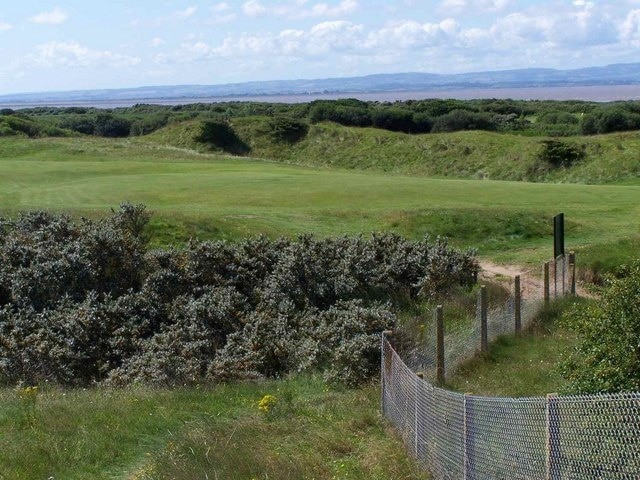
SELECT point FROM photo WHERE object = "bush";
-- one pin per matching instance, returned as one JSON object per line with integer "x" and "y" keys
{"x": 106, "y": 125}
{"x": 560, "y": 154}
{"x": 608, "y": 357}
{"x": 457, "y": 120}
{"x": 85, "y": 302}
{"x": 287, "y": 129}
{"x": 220, "y": 134}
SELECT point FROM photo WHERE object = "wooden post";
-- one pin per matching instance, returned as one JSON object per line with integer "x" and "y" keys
{"x": 439, "y": 345}
{"x": 572, "y": 272}
{"x": 484, "y": 343}
{"x": 553, "y": 437}
{"x": 555, "y": 278}
{"x": 546, "y": 283}
{"x": 517, "y": 305}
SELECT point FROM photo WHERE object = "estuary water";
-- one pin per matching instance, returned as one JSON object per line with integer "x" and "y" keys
{"x": 597, "y": 93}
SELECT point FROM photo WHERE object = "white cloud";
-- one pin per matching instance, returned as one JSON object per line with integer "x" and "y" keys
{"x": 221, "y": 13}
{"x": 253, "y": 8}
{"x": 473, "y": 6}
{"x": 323, "y": 10}
{"x": 411, "y": 34}
{"x": 72, "y": 54}
{"x": 5, "y": 26}
{"x": 54, "y": 17}
{"x": 630, "y": 28}
{"x": 300, "y": 9}
{"x": 221, "y": 7}
{"x": 156, "y": 42}
{"x": 186, "y": 13}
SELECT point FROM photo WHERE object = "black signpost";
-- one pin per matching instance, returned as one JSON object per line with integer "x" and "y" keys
{"x": 558, "y": 235}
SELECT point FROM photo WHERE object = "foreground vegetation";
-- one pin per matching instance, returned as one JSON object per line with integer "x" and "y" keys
{"x": 308, "y": 431}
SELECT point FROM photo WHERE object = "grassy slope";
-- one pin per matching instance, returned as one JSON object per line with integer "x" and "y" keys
{"x": 186, "y": 434}
{"x": 521, "y": 366}
{"x": 473, "y": 154}
{"x": 213, "y": 196}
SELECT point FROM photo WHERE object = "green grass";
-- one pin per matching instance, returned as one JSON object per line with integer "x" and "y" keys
{"x": 142, "y": 433}
{"x": 213, "y": 196}
{"x": 520, "y": 366}
{"x": 471, "y": 154}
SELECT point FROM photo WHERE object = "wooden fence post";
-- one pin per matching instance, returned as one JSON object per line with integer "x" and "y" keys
{"x": 517, "y": 311}
{"x": 439, "y": 345}
{"x": 572, "y": 272}
{"x": 484, "y": 343}
{"x": 546, "y": 283}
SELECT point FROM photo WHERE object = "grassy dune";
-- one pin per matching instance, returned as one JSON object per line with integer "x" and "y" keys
{"x": 472, "y": 154}
{"x": 212, "y": 196}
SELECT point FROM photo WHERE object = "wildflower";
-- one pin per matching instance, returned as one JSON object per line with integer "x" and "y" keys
{"x": 267, "y": 403}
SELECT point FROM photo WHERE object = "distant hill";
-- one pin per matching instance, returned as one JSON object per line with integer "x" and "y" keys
{"x": 619, "y": 74}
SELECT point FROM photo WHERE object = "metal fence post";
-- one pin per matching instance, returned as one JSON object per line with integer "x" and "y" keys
{"x": 417, "y": 436}
{"x": 484, "y": 344}
{"x": 439, "y": 345}
{"x": 383, "y": 370}
{"x": 553, "y": 437}
{"x": 517, "y": 305}
{"x": 467, "y": 437}
{"x": 546, "y": 283}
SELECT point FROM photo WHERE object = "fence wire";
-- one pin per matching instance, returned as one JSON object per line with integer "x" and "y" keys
{"x": 457, "y": 436}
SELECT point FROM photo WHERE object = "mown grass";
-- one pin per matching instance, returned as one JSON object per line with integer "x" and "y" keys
{"x": 521, "y": 366}
{"x": 211, "y": 196}
{"x": 138, "y": 433}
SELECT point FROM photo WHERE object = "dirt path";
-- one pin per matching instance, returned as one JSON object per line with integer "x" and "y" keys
{"x": 530, "y": 282}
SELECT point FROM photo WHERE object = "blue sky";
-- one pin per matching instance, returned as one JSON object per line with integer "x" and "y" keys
{"x": 79, "y": 44}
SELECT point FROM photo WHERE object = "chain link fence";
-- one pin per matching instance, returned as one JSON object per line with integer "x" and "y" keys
{"x": 458, "y": 436}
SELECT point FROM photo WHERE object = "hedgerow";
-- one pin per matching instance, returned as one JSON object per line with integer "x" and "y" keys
{"x": 86, "y": 302}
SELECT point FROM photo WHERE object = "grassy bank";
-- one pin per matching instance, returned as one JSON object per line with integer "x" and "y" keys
{"x": 309, "y": 432}
{"x": 468, "y": 154}
{"x": 521, "y": 366}
{"x": 213, "y": 196}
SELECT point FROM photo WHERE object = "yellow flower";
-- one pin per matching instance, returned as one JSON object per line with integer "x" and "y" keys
{"x": 267, "y": 403}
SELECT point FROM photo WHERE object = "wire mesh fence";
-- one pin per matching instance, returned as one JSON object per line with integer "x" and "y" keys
{"x": 457, "y": 436}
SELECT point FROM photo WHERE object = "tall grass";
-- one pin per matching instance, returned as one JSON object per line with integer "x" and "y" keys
{"x": 310, "y": 432}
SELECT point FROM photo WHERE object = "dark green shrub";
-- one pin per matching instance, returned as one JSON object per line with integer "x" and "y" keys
{"x": 560, "y": 154}
{"x": 107, "y": 125}
{"x": 608, "y": 357}
{"x": 220, "y": 134}
{"x": 394, "y": 119}
{"x": 85, "y": 302}
{"x": 457, "y": 120}
{"x": 287, "y": 129}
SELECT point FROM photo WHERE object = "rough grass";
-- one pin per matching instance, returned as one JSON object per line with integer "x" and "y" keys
{"x": 312, "y": 432}
{"x": 214, "y": 196}
{"x": 472, "y": 154}
{"x": 520, "y": 366}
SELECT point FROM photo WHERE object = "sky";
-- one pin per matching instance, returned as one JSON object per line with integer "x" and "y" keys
{"x": 80, "y": 44}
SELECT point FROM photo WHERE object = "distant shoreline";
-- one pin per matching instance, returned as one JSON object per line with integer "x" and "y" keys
{"x": 595, "y": 93}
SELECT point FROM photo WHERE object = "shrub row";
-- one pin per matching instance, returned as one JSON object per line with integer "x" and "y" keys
{"x": 86, "y": 302}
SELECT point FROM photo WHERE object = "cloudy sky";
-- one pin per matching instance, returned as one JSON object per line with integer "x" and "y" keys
{"x": 80, "y": 44}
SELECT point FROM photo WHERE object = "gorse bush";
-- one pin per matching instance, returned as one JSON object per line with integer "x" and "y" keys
{"x": 87, "y": 302}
